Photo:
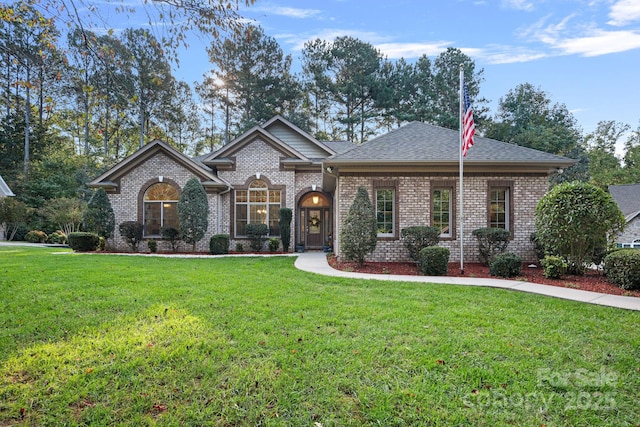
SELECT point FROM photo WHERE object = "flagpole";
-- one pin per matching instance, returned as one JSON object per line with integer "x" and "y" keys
{"x": 460, "y": 192}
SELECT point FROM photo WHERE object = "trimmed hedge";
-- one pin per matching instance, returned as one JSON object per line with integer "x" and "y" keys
{"x": 36, "y": 236}
{"x": 219, "y": 244}
{"x": 257, "y": 234}
{"x": 491, "y": 242}
{"x": 81, "y": 241}
{"x": 434, "y": 261}
{"x": 131, "y": 232}
{"x": 419, "y": 237}
{"x": 57, "y": 237}
{"x": 622, "y": 268}
{"x": 554, "y": 266}
{"x": 506, "y": 265}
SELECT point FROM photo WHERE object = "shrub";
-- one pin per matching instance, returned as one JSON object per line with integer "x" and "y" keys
{"x": 554, "y": 266}
{"x": 98, "y": 217}
{"x": 239, "y": 247}
{"x": 171, "y": 235}
{"x": 285, "y": 227}
{"x": 131, "y": 232}
{"x": 57, "y": 237}
{"x": 434, "y": 260}
{"x": 274, "y": 244}
{"x": 36, "y": 236}
{"x": 193, "y": 212}
{"x": 576, "y": 221}
{"x": 491, "y": 242}
{"x": 219, "y": 244}
{"x": 153, "y": 245}
{"x": 257, "y": 234}
{"x": 538, "y": 246}
{"x": 419, "y": 237}
{"x": 359, "y": 234}
{"x": 102, "y": 243}
{"x": 622, "y": 268}
{"x": 81, "y": 241}
{"x": 506, "y": 265}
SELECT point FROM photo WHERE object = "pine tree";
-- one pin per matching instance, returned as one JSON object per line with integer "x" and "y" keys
{"x": 193, "y": 212}
{"x": 359, "y": 231}
{"x": 99, "y": 217}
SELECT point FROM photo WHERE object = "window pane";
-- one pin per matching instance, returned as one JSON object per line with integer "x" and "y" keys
{"x": 241, "y": 196}
{"x": 441, "y": 210}
{"x": 258, "y": 214}
{"x": 274, "y": 196}
{"x": 170, "y": 215}
{"x": 152, "y": 218}
{"x": 384, "y": 211}
{"x": 162, "y": 191}
{"x": 498, "y": 209}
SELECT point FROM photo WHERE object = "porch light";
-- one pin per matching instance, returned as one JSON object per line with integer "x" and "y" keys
{"x": 257, "y": 175}
{"x": 313, "y": 187}
{"x": 315, "y": 199}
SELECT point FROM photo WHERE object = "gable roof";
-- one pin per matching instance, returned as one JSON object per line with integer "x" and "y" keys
{"x": 628, "y": 199}
{"x": 297, "y": 146}
{"x": 4, "y": 188}
{"x": 109, "y": 179}
{"x": 419, "y": 143}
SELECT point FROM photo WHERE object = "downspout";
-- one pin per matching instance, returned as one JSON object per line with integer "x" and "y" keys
{"x": 219, "y": 214}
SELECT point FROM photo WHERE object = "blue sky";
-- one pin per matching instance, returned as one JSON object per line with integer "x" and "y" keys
{"x": 583, "y": 53}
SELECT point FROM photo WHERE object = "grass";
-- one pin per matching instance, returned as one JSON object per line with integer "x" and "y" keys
{"x": 105, "y": 339}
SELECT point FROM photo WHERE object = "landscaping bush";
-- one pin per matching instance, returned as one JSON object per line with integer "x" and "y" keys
{"x": 506, "y": 265}
{"x": 622, "y": 268}
{"x": 359, "y": 233}
{"x": 419, "y": 237}
{"x": 434, "y": 260}
{"x": 239, "y": 247}
{"x": 274, "y": 244}
{"x": 257, "y": 234}
{"x": 219, "y": 244}
{"x": 152, "y": 245}
{"x": 171, "y": 235}
{"x": 36, "y": 236}
{"x": 57, "y": 237}
{"x": 285, "y": 227}
{"x": 491, "y": 242}
{"x": 81, "y": 241}
{"x": 538, "y": 246}
{"x": 554, "y": 266}
{"x": 131, "y": 232}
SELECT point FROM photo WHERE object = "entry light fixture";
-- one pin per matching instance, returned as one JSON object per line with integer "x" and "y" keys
{"x": 313, "y": 187}
{"x": 315, "y": 199}
{"x": 257, "y": 175}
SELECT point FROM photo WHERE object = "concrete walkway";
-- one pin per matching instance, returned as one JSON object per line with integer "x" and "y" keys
{"x": 316, "y": 262}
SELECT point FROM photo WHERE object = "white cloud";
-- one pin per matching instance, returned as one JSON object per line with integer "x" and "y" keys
{"x": 624, "y": 12}
{"x": 600, "y": 42}
{"x": 291, "y": 12}
{"x": 525, "y": 5}
{"x": 412, "y": 50}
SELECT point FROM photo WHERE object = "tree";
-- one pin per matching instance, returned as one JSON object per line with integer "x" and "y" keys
{"x": 66, "y": 213}
{"x": 576, "y": 221}
{"x": 526, "y": 117}
{"x": 604, "y": 166}
{"x": 193, "y": 212}
{"x": 99, "y": 217}
{"x": 359, "y": 233}
{"x": 12, "y": 213}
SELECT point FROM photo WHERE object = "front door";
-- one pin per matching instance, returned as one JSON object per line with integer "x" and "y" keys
{"x": 314, "y": 221}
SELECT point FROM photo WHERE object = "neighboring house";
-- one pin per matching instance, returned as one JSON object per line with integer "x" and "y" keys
{"x": 5, "y": 191}
{"x": 628, "y": 199}
{"x": 411, "y": 174}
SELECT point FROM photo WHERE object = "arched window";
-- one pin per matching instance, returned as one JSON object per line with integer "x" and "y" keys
{"x": 160, "y": 208}
{"x": 258, "y": 205}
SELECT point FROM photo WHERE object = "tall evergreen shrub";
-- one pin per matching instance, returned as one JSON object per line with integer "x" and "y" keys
{"x": 193, "y": 212}
{"x": 359, "y": 233}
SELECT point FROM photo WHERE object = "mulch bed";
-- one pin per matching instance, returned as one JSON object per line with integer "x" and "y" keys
{"x": 593, "y": 280}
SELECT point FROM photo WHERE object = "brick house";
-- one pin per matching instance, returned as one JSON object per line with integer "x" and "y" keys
{"x": 411, "y": 175}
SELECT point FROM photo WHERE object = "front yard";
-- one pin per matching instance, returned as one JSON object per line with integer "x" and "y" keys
{"x": 90, "y": 339}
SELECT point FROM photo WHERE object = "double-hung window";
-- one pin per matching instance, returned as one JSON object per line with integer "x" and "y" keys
{"x": 385, "y": 206}
{"x": 500, "y": 205}
{"x": 442, "y": 210}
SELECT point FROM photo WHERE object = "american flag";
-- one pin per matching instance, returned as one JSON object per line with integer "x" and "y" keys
{"x": 468, "y": 126}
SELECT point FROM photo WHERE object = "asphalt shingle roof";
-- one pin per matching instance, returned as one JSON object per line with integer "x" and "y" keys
{"x": 421, "y": 142}
{"x": 627, "y": 196}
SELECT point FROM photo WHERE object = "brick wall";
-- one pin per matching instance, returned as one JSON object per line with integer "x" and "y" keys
{"x": 414, "y": 208}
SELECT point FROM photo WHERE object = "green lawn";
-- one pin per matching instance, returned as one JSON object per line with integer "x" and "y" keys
{"x": 106, "y": 339}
